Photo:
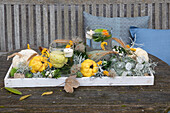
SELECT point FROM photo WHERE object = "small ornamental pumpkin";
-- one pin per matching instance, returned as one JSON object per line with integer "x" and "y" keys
{"x": 58, "y": 59}
{"x": 141, "y": 53}
{"x": 89, "y": 68}
{"x": 38, "y": 64}
{"x": 22, "y": 56}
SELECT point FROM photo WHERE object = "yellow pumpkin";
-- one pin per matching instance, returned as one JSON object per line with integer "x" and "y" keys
{"x": 89, "y": 68}
{"x": 38, "y": 64}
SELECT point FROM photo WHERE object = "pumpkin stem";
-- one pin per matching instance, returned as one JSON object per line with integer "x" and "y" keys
{"x": 33, "y": 55}
{"x": 20, "y": 55}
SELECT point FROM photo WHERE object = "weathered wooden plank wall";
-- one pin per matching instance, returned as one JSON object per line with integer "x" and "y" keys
{"x": 38, "y": 22}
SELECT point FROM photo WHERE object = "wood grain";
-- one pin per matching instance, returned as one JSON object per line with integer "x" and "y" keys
{"x": 2, "y": 28}
{"x": 16, "y": 24}
{"x": 42, "y": 21}
{"x": 23, "y": 26}
{"x": 59, "y": 22}
{"x": 66, "y": 22}
{"x": 45, "y": 25}
{"x": 38, "y": 25}
{"x": 31, "y": 25}
{"x": 9, "y": 27}
{"x": 125, "y": 99}
{"x": 52, "y": 22}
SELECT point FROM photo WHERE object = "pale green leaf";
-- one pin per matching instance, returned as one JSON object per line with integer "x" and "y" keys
{"x": 12, "y": 90}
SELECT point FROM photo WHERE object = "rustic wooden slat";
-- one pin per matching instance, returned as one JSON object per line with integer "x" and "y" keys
{"x": 70, "y": 2}
{"x": 157, "y": 14}
{"x": 121, "y": 10}
{"x": 164, "y": 16}
{"x": 52, "y": 22}
{"x": 59, "y": 22}
{"x": 128, "y": 10}
{"x": 38, "y": 25}
{"x": 107, "y": 10}
{"x": 150, "y": 12}
{"x": 136, "y": 99}
{"x": 9, "y": 27}
{"x": 80, "y": 21}
{"x": 87, "y": 8}
{"x": 31, "y": 25}
{"x": 100, "y": 9}
{"x": 114, "y": 10}
{"x": 136, "y": 10}
{"x": 143, "y": 9}
{"x": 73, "y": 21}
{"x": 23, "y": 27}
{"x": 66, "y": 21}
{"x": 45, "y": 25}
{"x": 16, "y": 25}
{"x": 94, "y": 9}
{"x": 2, "y": 28}
{"x": 169, "y": 15}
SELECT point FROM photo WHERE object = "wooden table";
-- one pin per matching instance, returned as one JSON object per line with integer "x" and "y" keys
{"x": 129, "y": 99}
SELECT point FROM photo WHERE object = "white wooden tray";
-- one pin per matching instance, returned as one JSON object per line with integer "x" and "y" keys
{"x": 84, "y": 81}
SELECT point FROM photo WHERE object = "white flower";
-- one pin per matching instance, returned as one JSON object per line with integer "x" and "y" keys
{"x": 89, "y": 34}
{"x": 47, "y": 73}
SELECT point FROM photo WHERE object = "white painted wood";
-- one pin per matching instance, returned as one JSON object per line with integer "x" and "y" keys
{"x": 84, "y": 81}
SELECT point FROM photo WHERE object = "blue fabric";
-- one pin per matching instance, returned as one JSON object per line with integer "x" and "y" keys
{"x": 156, "y": 42}
{"x": 120, "y": 25}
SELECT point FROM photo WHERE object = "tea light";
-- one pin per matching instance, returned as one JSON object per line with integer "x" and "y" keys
{"x": 68, "y": 52}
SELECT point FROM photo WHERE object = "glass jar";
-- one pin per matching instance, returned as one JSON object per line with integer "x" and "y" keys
{"x": 96, "y": 34}
{"x": 61, "y": 53}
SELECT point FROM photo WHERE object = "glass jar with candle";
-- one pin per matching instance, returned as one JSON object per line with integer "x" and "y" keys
{"x": 61, "y": 53}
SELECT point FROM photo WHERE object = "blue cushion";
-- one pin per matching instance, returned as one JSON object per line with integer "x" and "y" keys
{"x": 120, "y": 25}
{"x": 156, "y": 42}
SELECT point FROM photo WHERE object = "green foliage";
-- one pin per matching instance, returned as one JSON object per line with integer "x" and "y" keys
{"x": 79, "y": 75}
{"x": 106, "y": 64}
{"x": 83, "y": 54}
{"x": 57, "y": 73}
{"x": 43, "y": 73}
{"x": 13, "y": 70}
{"x": 28, "y": 75}
{"x": 99, "y": 37}
{"x": 15, "y": 91}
